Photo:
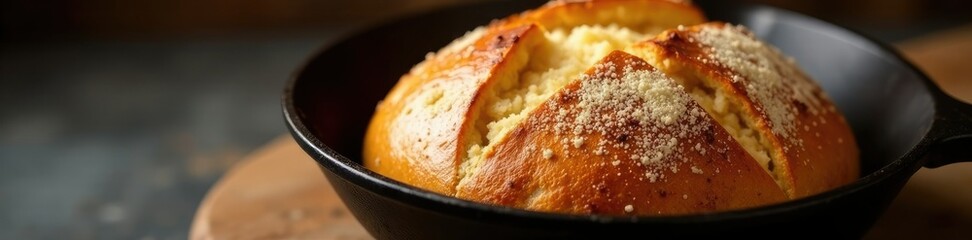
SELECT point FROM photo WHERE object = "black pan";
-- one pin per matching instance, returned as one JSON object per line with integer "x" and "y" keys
{"x": 902, "y": 122}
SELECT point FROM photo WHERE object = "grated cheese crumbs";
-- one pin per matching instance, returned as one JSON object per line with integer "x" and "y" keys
{"x": 578, "y": 142}
{"x": 648, "y": 108}
{"x": 547, "y": 153}
{"x": 769, "y": 78}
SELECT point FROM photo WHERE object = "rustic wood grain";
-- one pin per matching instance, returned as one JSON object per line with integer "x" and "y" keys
{"x": 278, "y": 192}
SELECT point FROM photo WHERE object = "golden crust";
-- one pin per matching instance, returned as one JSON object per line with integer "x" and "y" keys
{"x": 574, "y": 180}
{"x": 820, "y": 154}
{"x": 414, "y": 135}
{"x": 422, "y": 146}
{"x": 420, "y": 132}
{"x": 649, "y": 15}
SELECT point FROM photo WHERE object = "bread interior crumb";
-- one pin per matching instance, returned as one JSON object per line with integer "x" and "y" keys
{"x": 561, "y": 57}
{"x": 726, "y": 109}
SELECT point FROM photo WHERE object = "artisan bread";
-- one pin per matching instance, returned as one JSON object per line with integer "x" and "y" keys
{"x": 616, "y": 107}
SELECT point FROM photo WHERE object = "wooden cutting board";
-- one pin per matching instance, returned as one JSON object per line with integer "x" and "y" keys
{"x": 278, "y": 192}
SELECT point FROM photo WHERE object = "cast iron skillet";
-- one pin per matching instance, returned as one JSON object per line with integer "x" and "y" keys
{"x": 902, "y": 122}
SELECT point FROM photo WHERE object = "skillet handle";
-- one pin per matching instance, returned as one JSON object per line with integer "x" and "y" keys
{"x": 952, "y": 133}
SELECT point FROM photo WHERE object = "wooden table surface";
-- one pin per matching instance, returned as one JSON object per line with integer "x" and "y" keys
{"x": 278, "y": 192}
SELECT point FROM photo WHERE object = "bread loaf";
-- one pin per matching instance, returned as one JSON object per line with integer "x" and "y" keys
{"x": 616, "y": 107}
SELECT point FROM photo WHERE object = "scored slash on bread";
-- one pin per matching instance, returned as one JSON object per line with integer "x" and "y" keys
{"x": 628, "y": 157}
{"x": 808, "y": 144}
{"x": 562, "y": 109}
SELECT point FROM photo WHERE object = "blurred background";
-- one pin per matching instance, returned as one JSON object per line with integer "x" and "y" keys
{"x": 116, "y": 117}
